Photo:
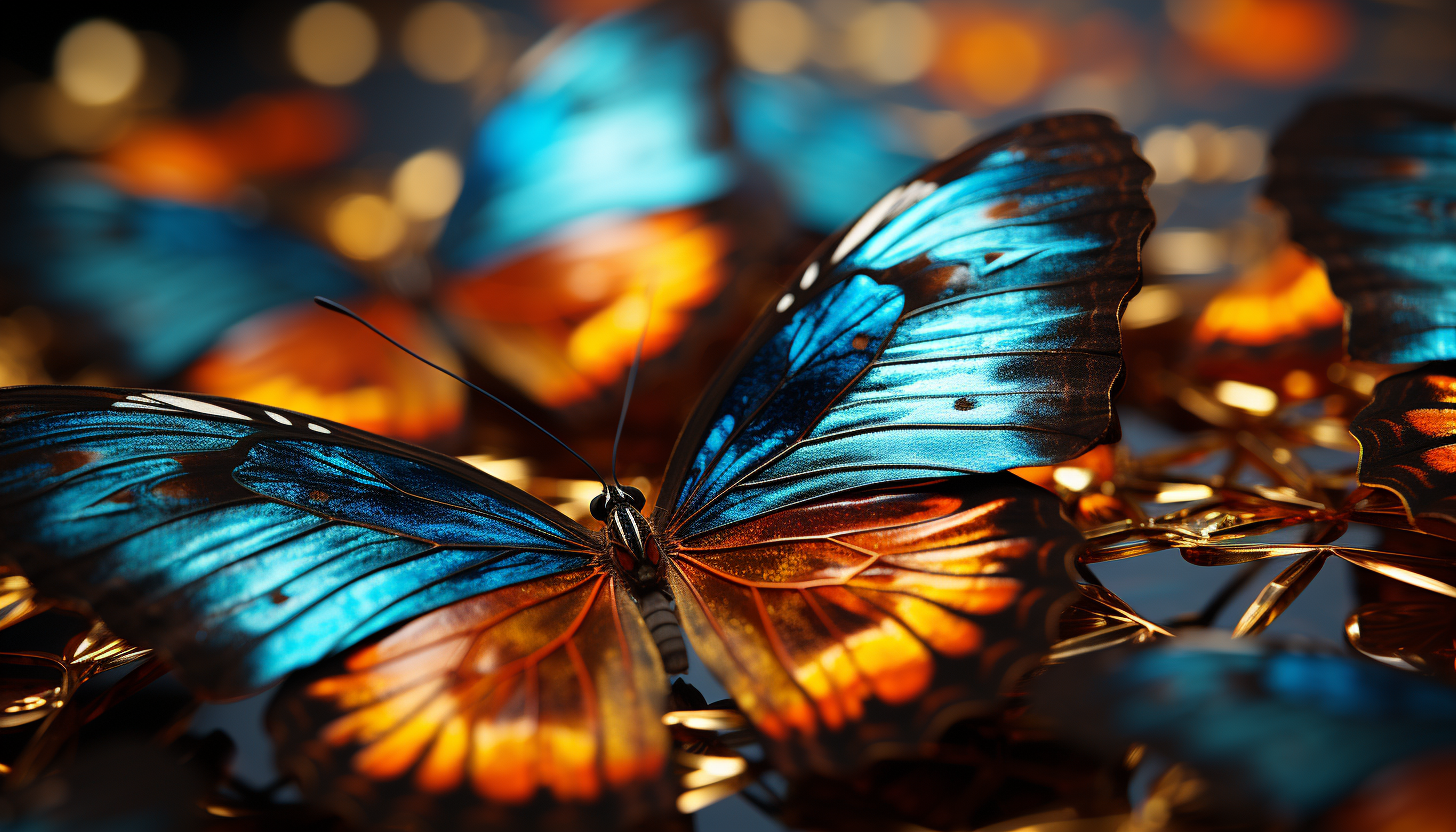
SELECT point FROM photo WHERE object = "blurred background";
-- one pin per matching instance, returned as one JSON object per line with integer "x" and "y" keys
{"x": 176, "y": 181}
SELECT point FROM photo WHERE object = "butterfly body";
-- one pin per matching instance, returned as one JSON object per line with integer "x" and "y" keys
{"x": 635, "y": 554}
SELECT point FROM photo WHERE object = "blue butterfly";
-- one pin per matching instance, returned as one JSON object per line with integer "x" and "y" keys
{"x": 1280, "y": 733}
{"x": 1370, "y": 186}
{"x": 829, "y": 154}
{"x": 598, "y": 160}
{"x": 831, "y": 533}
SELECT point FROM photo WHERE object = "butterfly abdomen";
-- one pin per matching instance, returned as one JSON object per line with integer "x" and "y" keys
{"x": 666, "y": 632}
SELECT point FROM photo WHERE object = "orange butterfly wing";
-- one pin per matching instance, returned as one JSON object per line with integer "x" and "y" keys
{"x": 543, "y": 698}
{"x": 860, "y": 625}
{"x": 301, "y": 357}
{"x": 562, "y": 322}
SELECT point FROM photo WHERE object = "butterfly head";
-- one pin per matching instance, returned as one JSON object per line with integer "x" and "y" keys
{"x": 633, "y": 545}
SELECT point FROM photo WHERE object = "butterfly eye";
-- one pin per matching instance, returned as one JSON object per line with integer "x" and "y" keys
{"x": 638, "y": 501}
{"x": 599, "y": 507}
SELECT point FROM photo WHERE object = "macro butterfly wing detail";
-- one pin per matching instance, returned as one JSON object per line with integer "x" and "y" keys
{"x": 247, "y": 542}
{"x": 862, "y": 624}
{"x": 836, "y": 557}
{"x": 966, "y": 323}
{"x": 538, "y": 705}
{"x": 1370, "y": 185}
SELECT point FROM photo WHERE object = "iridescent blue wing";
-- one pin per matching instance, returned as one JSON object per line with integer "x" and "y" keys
{"x": 615, "y": 119}
{"x": 1283, "y": 732}
{"x": 1370, "y": 186}
{"x": 161, "y": 280}
{"x": 829, "y": 154}
{"x": 968, "y": 322}
{"x": 247, "y": 542}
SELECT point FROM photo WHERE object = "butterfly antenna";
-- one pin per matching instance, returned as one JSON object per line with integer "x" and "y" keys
{"x": 334, "y": 306}
{"x": 631, "y": 382}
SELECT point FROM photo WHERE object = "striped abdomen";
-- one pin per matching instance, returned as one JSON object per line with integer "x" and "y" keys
{"x": 662, "y": 621}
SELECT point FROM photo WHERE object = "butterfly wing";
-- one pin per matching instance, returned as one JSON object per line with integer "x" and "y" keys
{"x": 968, "y": 322}
{"x": 615, "y": 118}
{"x": 583, "y": 204}
{"x": 1286, "y": 733}
{"x": 1405, "y": 437}
{"x": 161, "y": 279}
{"x": 535, "y": 705}
{"x": 862, "y": 624}
{"x": 829, "y": 154}
{"x": 247, "y": 542}
{"x": 1369, "y": 184}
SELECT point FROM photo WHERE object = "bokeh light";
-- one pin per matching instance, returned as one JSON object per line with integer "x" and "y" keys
{"x": 1185, "y": 251}
{"x": 99, "y": 62}
{"x": 332, "y": 44}
{"x": 995, "y": 57}
{"x": 365, "y": 226}
{"x": 1279, "y": 42}
{"x": 773, "y": 36}
{"x": 425, "y": 186}
{"x": 1172, "y": 153}
{"x": 891, "y": 43}
{"x": 444, "y": 42}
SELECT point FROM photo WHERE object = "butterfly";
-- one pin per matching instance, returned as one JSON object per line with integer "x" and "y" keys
{"x": 586, "y": 191}
{"x": 828, "y": 153}
{"x": 1285, "y": 735}
{"x": 835, "y": 533}
{"x": 1369, "y": 183}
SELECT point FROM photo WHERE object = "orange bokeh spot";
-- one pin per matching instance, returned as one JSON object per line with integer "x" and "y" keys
{"x": 1100, "y": 461}
{"x": 285, "y": 133}
{"x": 350, "y": 375}
{"x": 992, "y": 57}
{"x": 1285, "y": 298}
{"x": 1272, "y": 41}
{"x": 172, "y": 161}
{"x": 203, "y": 161}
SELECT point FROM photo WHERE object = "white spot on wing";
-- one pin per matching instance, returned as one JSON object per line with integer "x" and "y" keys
{"x": 139, "y": 406}
{"x": 205, "y": 408}
{"x": 275, "y": 417}
{"x": 142, "y": 399}
{"x": 811, "y": 274}
{"x": 785, "y": 302}
{"x": 319, "y": 428}
{"x": 891, "y": 205}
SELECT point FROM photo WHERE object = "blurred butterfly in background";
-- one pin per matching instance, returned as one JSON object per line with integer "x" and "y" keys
{"x": 584, "y": 193}
{"x": 831, "y": 533}
{"x": 1294, "y": 738}
{"x": 1369, "y": 183}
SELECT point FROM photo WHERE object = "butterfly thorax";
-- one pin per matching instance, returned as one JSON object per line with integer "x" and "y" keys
{"x": 633, "y": 544}
{"x": 633, "y": 552}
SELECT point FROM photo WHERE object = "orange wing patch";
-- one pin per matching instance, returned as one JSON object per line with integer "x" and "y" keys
{"x": 544, "y": 697}
{"x": 305, "y": 358}
{"x": 1407, "y": 437}
{"x": 562, "y": 322}
{"x": 855, "y": 625}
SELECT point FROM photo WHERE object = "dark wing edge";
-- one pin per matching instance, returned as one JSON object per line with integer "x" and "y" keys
{"x": 1126, "y": 213}
{"x": 245, "y": 542}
